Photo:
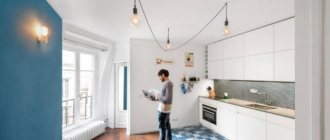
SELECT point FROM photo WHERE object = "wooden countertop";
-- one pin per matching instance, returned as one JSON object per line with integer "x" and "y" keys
{"x": 278, "y": 111}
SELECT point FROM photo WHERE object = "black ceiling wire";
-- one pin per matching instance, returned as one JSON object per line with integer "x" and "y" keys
{"x": 185, "y": 43}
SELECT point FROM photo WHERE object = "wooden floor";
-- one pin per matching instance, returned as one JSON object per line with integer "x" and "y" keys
{"x": 120, "y": 134}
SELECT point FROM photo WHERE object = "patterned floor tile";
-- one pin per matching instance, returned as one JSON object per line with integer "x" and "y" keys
{"x": 195, "y": 133}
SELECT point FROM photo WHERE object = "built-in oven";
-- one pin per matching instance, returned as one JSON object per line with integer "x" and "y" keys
{"x": 210, "y": 114}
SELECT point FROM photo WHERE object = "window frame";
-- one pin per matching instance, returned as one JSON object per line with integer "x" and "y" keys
{"x": 79, "y": 50}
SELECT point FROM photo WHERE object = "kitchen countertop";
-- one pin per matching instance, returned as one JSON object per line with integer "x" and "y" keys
{"x": 242, "y": 103}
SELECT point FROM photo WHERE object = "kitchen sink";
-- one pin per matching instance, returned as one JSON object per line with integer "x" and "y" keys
{"x": 261, "y": 107}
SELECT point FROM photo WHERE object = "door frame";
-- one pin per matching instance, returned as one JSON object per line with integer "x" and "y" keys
{"x": 119, "y": 115}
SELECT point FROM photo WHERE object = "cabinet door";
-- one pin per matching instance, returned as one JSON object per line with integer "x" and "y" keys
{"x": 259, "y": 67}
{"x": 234, "y": 47}
{"x": 277, "y": 132}
{"x": 259, "y": 41}
{"x": 285, "y": 66}
{"x": 284, "y": 35}
{"x": 227, "y": 119}
{"x": 234, "y": 69}
{"x": 215, "y": 69}
{"x": 250, "y": 128}
{"x": 215, "y": 51}
{"x": 280, "y": 128}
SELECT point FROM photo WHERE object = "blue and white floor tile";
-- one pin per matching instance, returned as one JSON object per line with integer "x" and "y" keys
{"x": 195, "y": 133}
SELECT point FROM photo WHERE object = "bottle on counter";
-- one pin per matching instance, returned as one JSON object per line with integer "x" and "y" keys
{"x": 211, "y": 92}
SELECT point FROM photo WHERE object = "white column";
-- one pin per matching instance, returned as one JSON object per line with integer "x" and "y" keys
{"x": 309, "y": 66}
{"x": 327, "y": 69}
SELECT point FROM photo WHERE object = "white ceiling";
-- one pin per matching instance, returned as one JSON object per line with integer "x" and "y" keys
{"x": 110, "y": 18}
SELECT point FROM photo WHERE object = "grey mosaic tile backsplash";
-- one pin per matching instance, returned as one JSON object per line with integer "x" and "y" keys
{"x": 281, "y": 94}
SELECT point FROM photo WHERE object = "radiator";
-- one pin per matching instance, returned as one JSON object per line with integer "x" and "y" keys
{"x": 87, "y": 132}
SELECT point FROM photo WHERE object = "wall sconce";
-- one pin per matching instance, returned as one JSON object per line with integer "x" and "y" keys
{"x": 42, "y": 34}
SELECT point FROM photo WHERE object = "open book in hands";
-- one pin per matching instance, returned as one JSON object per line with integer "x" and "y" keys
{"x": 151, "y": 94}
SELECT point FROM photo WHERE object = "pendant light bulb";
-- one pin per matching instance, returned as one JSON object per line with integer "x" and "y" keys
{"x": 135, "y": 19}
{"x": 226, "y": 30}
{"x": 168, "y": 44}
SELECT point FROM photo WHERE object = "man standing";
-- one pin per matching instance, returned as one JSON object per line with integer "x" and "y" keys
{"x": 165, "y": 104}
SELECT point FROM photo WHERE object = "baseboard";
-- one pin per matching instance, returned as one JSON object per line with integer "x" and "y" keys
{"x": 111, "y": 125}
{"x": 154, "y": 130}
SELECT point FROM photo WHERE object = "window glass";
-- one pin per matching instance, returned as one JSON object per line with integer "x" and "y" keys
{"x": 68, "y": 87}
{"x": 86, "y": 83}
{"x": 68, "y": 60}
{"x": 86, "y": 62}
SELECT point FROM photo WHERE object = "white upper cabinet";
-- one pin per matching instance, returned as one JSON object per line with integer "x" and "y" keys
{"x": 234, "y": 68}
{"x": 259, "y": 41}
{"x": 266, "y": 54}
{"x": 234, "y": 47}
{"x": 215, "y": 51}
{"x": 284, "y": 35}
{"x": 259, "y": 67}
{"x": 285, "y": 66}
{"x": 215, "y": 69}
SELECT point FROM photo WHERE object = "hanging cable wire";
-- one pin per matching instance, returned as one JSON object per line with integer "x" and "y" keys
{"x": 189, "y": 40}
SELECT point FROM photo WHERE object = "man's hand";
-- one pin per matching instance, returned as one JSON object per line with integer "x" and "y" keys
{"x": 157, "y": 97}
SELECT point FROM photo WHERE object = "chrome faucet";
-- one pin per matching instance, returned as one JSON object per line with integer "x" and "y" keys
{"x": 267, "y": 102}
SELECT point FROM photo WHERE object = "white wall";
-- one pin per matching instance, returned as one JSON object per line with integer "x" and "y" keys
{"x": 327, "y": 69}
{"x": 122, "y": 52}
{"x": 143, "y": 75}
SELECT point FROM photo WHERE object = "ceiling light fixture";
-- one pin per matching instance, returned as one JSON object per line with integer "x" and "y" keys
{"x": 226, "y": 30}
{"x": 135, "y": 19}
{"x": 168, "y": 46}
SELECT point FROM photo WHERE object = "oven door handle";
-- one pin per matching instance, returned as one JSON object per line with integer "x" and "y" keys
{"x": 209, "y": 111}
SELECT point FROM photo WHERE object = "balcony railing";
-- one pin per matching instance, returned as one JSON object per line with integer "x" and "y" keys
{"x": 67, "y": 112}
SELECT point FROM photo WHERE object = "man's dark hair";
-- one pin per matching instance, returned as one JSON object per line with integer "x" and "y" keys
{"x": 163, "y": 71}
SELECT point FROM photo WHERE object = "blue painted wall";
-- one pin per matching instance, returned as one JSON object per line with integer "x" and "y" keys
{"x": 30, "y": 73}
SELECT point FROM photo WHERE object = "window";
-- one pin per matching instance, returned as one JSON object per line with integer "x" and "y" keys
{"x": 78, "y": 86}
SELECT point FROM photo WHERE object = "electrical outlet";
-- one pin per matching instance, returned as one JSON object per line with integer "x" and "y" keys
{"x": 253, "y": 90}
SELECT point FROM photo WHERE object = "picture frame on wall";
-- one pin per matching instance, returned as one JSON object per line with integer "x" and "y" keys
{"x": 189, "y": 59}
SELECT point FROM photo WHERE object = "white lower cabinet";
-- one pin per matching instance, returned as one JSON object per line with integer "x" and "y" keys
{"x": 280, "y": 128}
{"x": 227, "y": 120}
{"x": 277, "y": 132}
{"x": 240, "y": 123}
{"x": 251, "y": 125}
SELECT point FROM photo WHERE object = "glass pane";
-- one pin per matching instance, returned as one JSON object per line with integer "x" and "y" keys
{"x": 86, "y": 83}
{"x": 86, "y": 62}
{"x": 85, "y": 108}
{"x": 89, "y": 108}
{"x": 68, "y": 87}
{"x": 67, "y": 112}
{"x": 69, "y": 60}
